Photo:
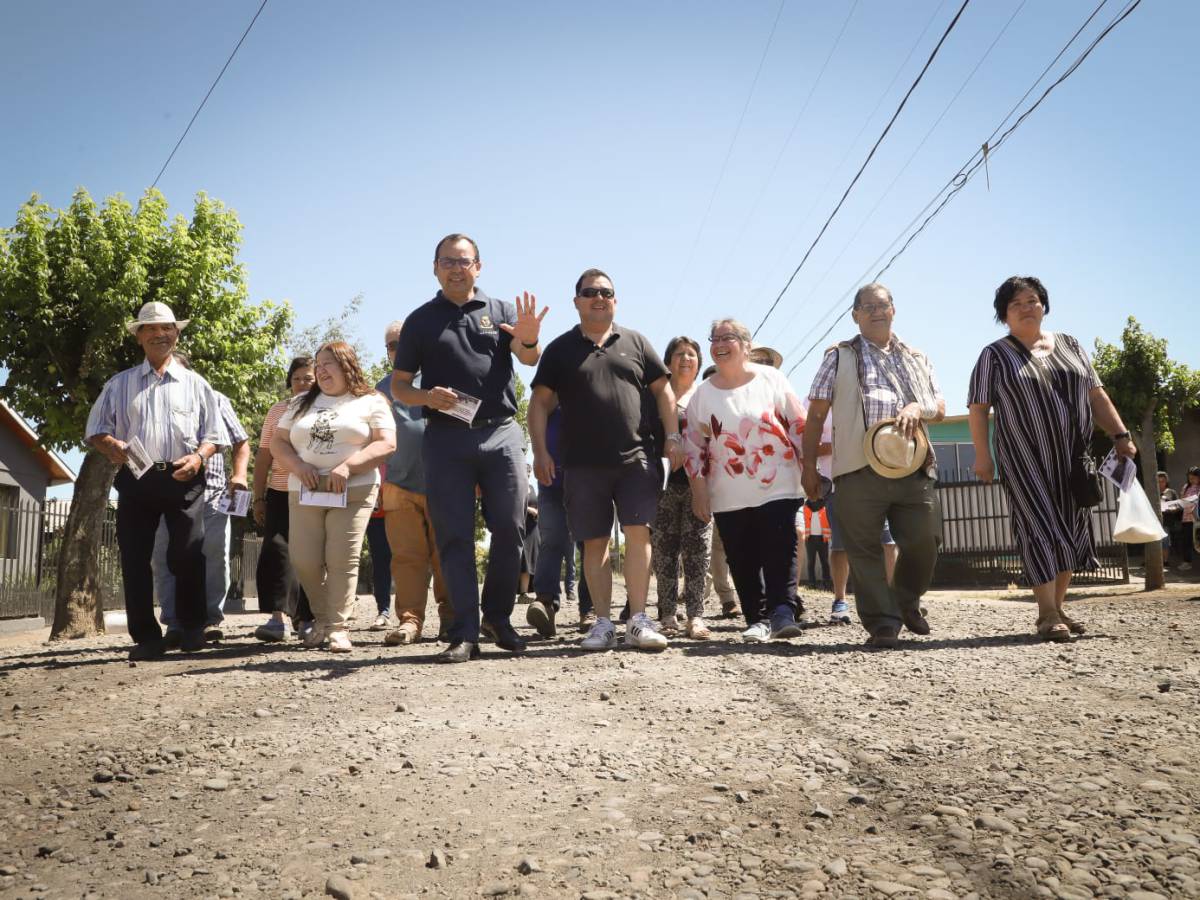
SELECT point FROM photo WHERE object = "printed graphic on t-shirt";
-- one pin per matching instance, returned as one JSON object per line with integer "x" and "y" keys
{"x": 320, "y": 438}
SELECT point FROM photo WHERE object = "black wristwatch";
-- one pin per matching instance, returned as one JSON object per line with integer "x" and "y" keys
{"x": 529, "y": 346}
{"x": 1123, "y": 436}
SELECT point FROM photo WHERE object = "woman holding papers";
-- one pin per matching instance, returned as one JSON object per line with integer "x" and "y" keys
{"x": 1045, "y": 393}
{"x": 331, "y": 440}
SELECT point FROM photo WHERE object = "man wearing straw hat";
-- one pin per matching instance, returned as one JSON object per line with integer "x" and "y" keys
{"x": 161, "y": 423}
{"x": 881, "y": 393}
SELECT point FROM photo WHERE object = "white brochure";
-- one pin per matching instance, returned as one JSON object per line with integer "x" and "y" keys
{"x": 1119, "y": 470}
{"x": 466, "y": 407}
{"x": 322, "y": 498}
{"x": 138, "y": 460}
{"x": 237, "y": 505}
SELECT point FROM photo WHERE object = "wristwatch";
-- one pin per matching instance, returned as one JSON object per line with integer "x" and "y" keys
{"x": 1123, "y": 436}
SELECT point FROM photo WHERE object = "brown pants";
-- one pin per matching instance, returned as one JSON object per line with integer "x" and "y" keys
{"x": 414, "y": 556}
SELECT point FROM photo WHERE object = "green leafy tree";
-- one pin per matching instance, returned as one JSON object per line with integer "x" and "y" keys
{"x": 1151, "y": 391}
{"x": 69, "y": 281}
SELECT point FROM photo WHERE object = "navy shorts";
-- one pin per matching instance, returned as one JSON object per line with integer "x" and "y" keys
{"x": 835, "y": 538}
{"x": 591, "y": 492}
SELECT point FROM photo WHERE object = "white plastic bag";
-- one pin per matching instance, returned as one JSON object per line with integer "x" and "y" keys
{"x": 1137, "y": 523}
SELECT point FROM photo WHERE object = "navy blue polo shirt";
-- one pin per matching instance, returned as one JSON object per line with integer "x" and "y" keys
{"x": 610, "y": 417}
{"x": 462, "y": 347}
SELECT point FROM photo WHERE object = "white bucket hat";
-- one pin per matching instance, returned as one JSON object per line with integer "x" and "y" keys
{"x": 767, "y": 356}
{"x": 155, "y": 313}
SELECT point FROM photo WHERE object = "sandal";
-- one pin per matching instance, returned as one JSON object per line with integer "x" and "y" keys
{"x": 697, "y": 630}
{"x": 1073, "y": 626}
{"x": 1054, "y": 632}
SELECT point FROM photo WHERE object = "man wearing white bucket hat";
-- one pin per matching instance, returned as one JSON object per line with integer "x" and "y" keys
{"x": 881, "y": 393}
{"x": 173, "y": 414}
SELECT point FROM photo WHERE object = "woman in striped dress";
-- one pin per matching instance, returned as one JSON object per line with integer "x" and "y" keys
{"x": 1045, "y": 394}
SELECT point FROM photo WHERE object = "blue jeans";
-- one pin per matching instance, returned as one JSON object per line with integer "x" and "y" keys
{"x": 381, "y": 564}
{"x": 556, "y": 547}
{"x": 456, "y": 460}
{"x": 216, "y": 569}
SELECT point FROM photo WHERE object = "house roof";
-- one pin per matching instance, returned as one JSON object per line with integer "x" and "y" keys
{"x": 59, "y": 471}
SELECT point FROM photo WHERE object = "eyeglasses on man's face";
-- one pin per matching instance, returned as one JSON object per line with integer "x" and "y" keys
{"x": 871, "y": 308}
{"x": 723, "y": 338}
{"x": 456, "y": 262}
{"x": 590, "y": 292}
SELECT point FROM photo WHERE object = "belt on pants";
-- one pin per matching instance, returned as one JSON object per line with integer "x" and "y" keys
{"x": 495, "y": 422}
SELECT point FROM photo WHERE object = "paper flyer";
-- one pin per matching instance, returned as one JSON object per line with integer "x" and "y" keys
{"x": 138, "y": 461}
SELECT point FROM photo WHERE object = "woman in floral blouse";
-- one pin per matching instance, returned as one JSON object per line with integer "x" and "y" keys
{"x": 743, "y": 444}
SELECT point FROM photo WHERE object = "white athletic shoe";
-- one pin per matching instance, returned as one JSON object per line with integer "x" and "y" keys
{"x": 601, "y": 636}
{"x": 339, "y": 642}
{"x": 641, "y": 633}
{"x": 757, "y": 633}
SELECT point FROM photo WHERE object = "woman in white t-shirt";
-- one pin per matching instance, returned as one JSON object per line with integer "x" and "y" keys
{"x": 743, "y": 444}
{"x": 332, "y": 439}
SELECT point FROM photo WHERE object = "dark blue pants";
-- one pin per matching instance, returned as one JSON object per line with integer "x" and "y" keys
{"x": 141, "y": 503}
{"x": 381, "y": 564}
{"x": 760, "y": 545}
{"x": 456, "y": 460}
{"x": 555, "y": 547}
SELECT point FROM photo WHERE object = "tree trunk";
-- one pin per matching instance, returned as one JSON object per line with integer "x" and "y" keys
{"x": 78, "y": 609}
{"x": 1152, "y": 552}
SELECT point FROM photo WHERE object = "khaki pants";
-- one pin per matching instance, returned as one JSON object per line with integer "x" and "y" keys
{"x": 718, "y": 571}
{"x": 414, "y": 556}
{"x": 326, "y": 544}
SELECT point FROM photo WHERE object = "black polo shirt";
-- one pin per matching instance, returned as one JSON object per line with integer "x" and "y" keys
{"x": 609, "y": 416}
{"x": 462, "y": 347}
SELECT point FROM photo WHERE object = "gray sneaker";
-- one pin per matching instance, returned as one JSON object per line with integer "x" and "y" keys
{"x": 272, "y": 631}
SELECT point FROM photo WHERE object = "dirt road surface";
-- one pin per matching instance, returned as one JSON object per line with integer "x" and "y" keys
{"x": 975, "y": 762}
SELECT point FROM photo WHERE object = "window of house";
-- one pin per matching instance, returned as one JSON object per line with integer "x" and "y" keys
{"x": 9, "y": 495}
{"x": 956, "y": 461}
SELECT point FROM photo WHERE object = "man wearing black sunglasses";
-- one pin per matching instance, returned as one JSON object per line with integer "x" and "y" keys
{"x": 614, "y": 391}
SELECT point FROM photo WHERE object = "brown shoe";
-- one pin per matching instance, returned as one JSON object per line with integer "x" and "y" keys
{"x": 730, "y": 609}
{"x": 914, "y": 620}
{"x": 407, "y": 633}
{"x": 586, "y": 621}
{"x": 885, "y": 637}
{"x": 540, "y": 615}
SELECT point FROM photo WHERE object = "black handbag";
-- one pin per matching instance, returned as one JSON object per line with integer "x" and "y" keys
{"x": 1084, "y": 478}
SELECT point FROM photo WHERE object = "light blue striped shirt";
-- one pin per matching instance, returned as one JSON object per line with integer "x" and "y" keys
{"x": 214, "y": 470}
{"x": 171, "y": 414}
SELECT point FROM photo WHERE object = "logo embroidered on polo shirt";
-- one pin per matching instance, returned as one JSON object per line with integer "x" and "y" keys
{"x": 485, "y": 322}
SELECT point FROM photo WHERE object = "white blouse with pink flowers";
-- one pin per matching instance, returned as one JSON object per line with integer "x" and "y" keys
{"x": 746, "y": 441}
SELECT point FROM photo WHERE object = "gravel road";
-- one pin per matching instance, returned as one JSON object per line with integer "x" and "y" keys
{"x": 976, "y": 762}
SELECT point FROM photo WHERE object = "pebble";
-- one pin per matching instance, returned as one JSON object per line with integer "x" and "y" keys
{"x": 892, "y": 888}
{"x": 497, "y": 889}
{"x": 216, "y": 784}
{"x": 995, "y": 823}
{"x": 263, "y": 713}
{"x": 437, "y": 859}
{"x": 339, "y": 887}
{"x": 1155, "y": 787}
{"x": 836, "y": 868}
{"x": 820, "y": 812}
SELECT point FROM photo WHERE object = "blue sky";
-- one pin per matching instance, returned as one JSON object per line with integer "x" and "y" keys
{"x": 350, "y": 136}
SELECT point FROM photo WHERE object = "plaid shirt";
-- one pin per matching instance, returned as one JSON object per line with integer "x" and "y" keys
{"x": 879, "y": 369}
{"x": 214, "y": 469}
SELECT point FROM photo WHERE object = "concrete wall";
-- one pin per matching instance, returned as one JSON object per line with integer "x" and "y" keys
{"x": 19, "y": 466}
{"x": 1187, "y": 448}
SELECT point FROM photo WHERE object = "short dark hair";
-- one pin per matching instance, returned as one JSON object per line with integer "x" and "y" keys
{"x": 874, "y": 287}
{"x": 452, "y": 238}
{"x": 675, "y": 343}
{"x": 298, "y": 362}
{"x": 1013, "y": 286}
{"x": 590, "y": 273}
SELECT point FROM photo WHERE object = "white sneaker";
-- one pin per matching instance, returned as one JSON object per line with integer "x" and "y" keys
{"x": 339, "y": 642}
{"x": 1185, "y": 567}
{"x": 641, "y": 633}
{"x": 757, "y": 633}
{"x": 314, "y": 636}
{"x": 382, "y": 622}
{"x": 601, "y": 636}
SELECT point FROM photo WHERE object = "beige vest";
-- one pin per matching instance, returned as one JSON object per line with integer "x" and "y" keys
{"x": 847, "y": 412}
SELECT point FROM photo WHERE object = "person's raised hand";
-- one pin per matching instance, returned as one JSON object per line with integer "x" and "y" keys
{"x": 529, "y": 321}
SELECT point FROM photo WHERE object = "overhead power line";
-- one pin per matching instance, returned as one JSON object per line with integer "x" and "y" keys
{"x": 866, "y": 162}
{"x": 737, "y": 239}
{"x": 216, "y": 81}
{"x": 974, "y": 164}
{"x": 799, "y": 307}
{"x": 728, "y": 154}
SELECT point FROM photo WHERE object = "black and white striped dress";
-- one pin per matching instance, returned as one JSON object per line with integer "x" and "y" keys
{"x": 1034, "y": 439}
